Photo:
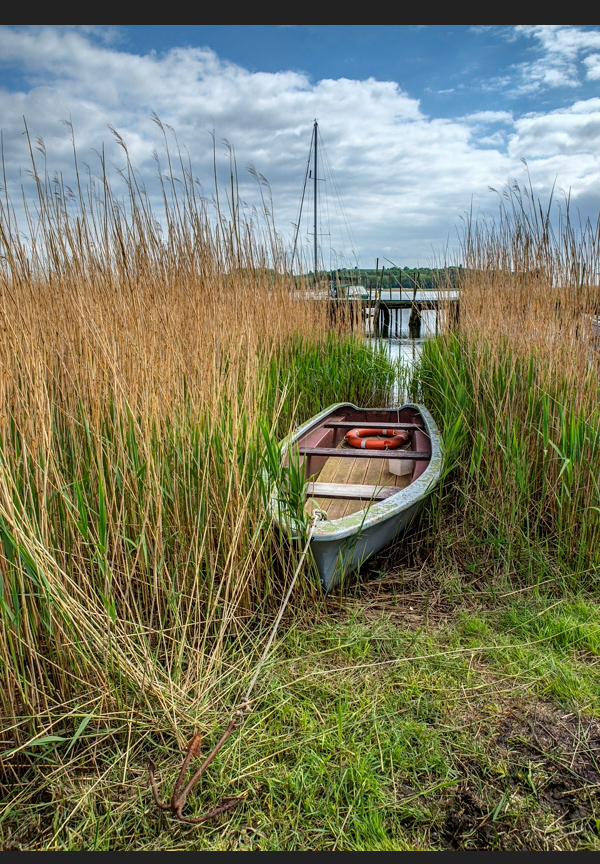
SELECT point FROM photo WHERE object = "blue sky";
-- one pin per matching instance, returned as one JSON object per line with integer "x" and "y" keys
{"x": 451, "y": 68}
{"x": 418, "y": 121}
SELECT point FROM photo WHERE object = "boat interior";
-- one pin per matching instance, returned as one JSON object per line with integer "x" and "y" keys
{"x": 345, "y": 480}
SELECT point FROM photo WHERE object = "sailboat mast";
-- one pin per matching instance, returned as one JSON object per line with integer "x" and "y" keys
{"x": 315, "y": 219}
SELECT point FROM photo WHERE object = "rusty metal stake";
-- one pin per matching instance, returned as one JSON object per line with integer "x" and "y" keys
{"x": 179, "y": 798}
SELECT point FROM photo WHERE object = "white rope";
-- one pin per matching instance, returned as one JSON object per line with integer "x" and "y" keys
{"x": 316, "y": 516}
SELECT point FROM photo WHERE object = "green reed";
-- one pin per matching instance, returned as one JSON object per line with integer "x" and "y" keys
{"x": 516, "y": 390}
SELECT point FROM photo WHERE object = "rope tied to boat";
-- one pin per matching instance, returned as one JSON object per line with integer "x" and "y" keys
{"x": 240, "y": 714}
{"x": 312, "y": 524}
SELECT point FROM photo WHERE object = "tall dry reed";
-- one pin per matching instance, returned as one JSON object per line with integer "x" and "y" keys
{"x": 146, "y": 361}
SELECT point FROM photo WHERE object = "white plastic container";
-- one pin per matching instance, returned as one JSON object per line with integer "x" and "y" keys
{"x": 401, "y": 466}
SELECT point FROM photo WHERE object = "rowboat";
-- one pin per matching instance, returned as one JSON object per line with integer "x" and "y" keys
{"x": 366, "y": 496}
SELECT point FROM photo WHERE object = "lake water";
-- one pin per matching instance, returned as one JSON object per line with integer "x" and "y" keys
{"x": 402, "y": 346}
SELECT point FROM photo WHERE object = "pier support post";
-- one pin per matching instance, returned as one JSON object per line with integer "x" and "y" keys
{"x": 385, "y": 327}
{"x": 454, "y": 313}
{"x": 333, "y": 312}
{"x": 414, "y": 322}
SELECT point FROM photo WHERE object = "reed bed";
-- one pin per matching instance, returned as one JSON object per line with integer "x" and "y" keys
{"x": 149, "y": 363}
{"x": 516, "y": 390}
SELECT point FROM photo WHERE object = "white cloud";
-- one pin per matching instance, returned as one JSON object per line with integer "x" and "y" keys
{"x": 571, "y": 131}
{"x": 561, "y": 47}
{"x": 489, "y": 117}
{"x": 495, "y": 140}
{"x": 593, "y": 66}
{"x": 405, "y": 177}
{"x": 562, "y": 40}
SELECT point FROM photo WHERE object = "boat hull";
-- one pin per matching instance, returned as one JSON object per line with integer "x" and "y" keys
{"x": 340, "y": 559}
{"x": 340, "y": 546}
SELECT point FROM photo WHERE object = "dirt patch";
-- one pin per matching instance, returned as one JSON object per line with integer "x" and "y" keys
{"x": 565, "y": 750}
{"x": 468, "y": 825}
{"x": 544, "y": 794}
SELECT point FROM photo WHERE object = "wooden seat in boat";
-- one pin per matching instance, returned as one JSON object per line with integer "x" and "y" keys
{"x": 355, "y": 453}
{"x": 347, "y": 485}
{"x": 365, "y": 491}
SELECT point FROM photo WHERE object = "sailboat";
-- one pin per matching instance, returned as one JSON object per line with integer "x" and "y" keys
{"x": 312, "y": 178}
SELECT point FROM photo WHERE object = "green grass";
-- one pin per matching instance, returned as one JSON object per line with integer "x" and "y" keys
{"x": 478, "y": 732}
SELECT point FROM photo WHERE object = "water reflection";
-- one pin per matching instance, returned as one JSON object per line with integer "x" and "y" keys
{"x": 404, "y": 348}
{"x": 398, "y": 325}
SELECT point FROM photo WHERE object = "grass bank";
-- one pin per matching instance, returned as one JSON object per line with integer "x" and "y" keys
{"x": 403, "y": 716}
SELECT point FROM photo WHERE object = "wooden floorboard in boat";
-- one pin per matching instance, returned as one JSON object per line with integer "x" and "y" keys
{"x": 360, "y": 471}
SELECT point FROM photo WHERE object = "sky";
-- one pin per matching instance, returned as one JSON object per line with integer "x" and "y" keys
{"x": 419, "y": 124}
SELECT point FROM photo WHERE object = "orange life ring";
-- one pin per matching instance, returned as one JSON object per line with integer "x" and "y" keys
{"x": 363, "y": 438}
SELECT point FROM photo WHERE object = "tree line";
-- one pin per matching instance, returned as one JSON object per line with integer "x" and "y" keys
{"x": 397, "y": 277}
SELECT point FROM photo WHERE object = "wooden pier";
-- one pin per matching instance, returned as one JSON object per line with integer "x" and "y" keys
{"x": 378, "y": 310}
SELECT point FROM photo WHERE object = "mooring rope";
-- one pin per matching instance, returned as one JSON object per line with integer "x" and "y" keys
{"x": 180, "y": 792}
{"x": 244, "y": 706}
